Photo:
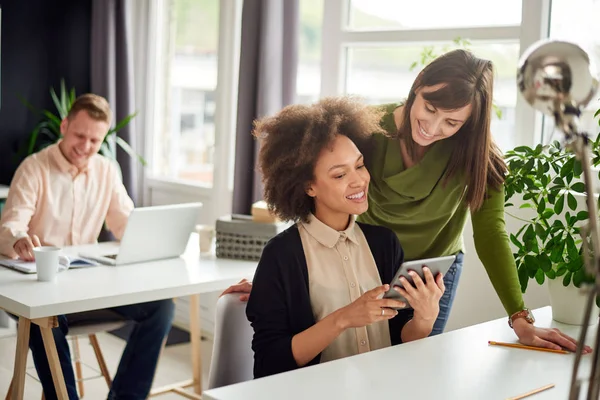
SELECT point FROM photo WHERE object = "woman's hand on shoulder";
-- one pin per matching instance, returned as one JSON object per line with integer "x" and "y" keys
{"x": 368, "y": 308}
{"x": 424, "y": 296}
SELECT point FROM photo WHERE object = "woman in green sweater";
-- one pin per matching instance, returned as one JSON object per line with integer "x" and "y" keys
{"x": 437, "y": 163}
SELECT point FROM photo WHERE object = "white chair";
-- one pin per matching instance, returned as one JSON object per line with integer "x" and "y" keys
{"x": 232, "y": 356}
{"x": 89, "y": 323}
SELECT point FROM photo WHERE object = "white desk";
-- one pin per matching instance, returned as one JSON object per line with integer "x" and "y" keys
{"x": 3, "y": 192}
{"x": 106, "y": 286}
{"x": 456, "y": 365}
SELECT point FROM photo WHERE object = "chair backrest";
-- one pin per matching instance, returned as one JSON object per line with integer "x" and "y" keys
{"x": 232, "y": 357}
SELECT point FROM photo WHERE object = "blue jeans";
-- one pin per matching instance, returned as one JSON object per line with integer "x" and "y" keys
{"x": 135, "y": 373}
{"x": 451, "y": 282}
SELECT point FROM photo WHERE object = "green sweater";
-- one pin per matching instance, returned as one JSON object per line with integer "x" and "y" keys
{"x": 428, "y": 214}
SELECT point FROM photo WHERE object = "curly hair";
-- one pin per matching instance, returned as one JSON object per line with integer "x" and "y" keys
{"x": 292, "y": 140}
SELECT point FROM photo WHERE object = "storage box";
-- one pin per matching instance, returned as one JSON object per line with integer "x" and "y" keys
{"x": 260, "y": 213}
{"x": 243, "y": 239}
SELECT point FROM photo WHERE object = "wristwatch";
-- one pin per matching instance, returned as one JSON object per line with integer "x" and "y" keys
{"x": 524, "y": 313}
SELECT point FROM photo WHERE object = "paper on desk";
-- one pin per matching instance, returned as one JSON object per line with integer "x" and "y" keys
{"x": 29, "y": 266}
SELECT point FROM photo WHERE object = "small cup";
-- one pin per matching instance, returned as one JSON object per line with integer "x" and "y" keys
{"x": 206, "y": 235}
{"x": 48, "y": 262}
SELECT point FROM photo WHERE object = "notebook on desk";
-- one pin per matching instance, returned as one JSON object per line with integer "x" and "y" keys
{"x": 28, "y": 267}
{"x": 152, "y": 233}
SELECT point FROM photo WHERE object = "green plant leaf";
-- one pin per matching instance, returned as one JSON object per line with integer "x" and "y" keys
{"x": 578, "y": 187}
{"x": 560, "y": 184}
{"x": 572, "y": 201}
{"x": 541, "y": 206}
{"x": 119, "y": 125}
{"x": 550, "y": 274}
{"x": 64, "y": 99}
{"x": 577, "y": 170}
{"x": 106, "y": 151}
{"x": 571, "y": 248}
{"x": 567, "y": 167}
{"x": 578, "y": 277}
{"x": 531, "y": 263}
{"x": 523, "y": 149}
{"x": 129, "y": 150}
{"x": 525, "y": 205}
{"x": 561, "y": 270}
{"x": 582, "y": 215}
{"x": 540, "y": 277}
{"x": 523, "y": 278}
{"x": 540, "y": 231}
{"x": 557, "y": 252}
{"x": 515, "y": 241}
{"x": 62, "y": 112}
{"x": 548, "y": 213}
{"x": 560, "y": 202}
{"x": 544, "y": 262}
{"x": 574, "y": 265}
{"x": 567, "y": 278}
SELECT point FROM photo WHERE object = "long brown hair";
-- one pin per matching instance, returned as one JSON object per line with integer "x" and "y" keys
{"x": 467, "y": 80}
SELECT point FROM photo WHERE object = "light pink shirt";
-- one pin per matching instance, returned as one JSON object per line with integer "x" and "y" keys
{"x": 50, "y": 198}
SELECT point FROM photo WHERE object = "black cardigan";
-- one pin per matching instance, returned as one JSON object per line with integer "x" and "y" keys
{"x": 279, "y": 306}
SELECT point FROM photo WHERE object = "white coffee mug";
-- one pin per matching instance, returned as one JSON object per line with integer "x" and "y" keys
{"x": 48, "y": 262}
{"x": 206, "y": 235}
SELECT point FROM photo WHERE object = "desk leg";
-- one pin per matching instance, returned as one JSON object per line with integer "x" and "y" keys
{"x": 17, "y": 386}
{"x": 46, "y": 325}
{"x": 195, "y": 341}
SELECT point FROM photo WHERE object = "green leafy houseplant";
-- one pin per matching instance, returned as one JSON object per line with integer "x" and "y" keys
{"x": 47, "y": 131}
{"x": 549, "y": 244}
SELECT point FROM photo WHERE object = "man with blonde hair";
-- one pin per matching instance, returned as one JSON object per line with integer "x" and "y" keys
{"x": 62, "y": 196}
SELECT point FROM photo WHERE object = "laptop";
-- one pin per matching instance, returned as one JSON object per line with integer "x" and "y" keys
{"x": 152, "y": 233}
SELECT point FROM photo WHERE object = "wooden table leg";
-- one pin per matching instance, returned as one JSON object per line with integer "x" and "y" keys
{"x": 195, "y": 340}
{"x": 17, "y": 386}
{"x": 46, "y": 325}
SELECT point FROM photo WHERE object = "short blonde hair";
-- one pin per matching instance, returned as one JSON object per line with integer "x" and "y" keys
{"x": 96, "y": 106}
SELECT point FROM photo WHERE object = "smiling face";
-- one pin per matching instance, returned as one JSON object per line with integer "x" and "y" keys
{"x": 430, "y": 124}
{"x": 82, "y": 138}
{"x": 341, "y": 183}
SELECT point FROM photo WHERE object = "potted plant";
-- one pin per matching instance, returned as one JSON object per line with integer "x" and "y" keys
{"x": 47, "y": 131}
{"x": 549, "y": 247}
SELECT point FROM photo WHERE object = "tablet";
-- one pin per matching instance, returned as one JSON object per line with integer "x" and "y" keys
{"x": 436, "y": 265}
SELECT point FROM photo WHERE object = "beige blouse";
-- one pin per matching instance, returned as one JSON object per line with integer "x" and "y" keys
{"x": 340, "y": 269}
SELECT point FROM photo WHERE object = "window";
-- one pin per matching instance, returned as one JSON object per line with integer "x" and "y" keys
{"x": 189, "y": 86}
{"x": 374, "y": 49}
{"x": 577, "y": 21}
{"x": 184, "y": 144}
{"x": 390, "y": 14}
{"x": 308, "y": 80}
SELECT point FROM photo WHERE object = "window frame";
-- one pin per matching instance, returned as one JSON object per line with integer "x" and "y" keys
{"x": 217, "y": 198}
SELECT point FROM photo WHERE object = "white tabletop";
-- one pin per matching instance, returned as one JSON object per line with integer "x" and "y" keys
{"x": 3, "y": 192}
{"x": 456, "y": 365}
{"x": 99, "y": 287}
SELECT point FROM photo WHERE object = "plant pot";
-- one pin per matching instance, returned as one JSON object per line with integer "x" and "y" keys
{"x": 568, "y": 303}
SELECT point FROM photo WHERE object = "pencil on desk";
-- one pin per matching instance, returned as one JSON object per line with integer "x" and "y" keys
{"x": 532, "y": 392}
{"x": 522, "y": 346}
